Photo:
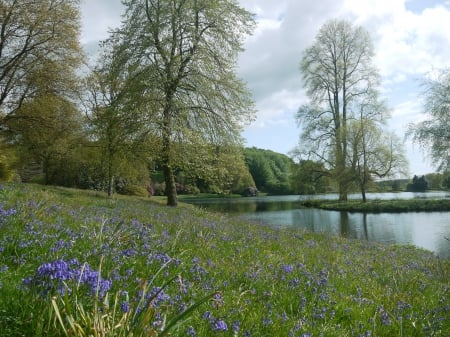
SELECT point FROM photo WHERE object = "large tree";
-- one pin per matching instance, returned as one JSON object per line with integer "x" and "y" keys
{"x": 39, "y": 50}
{"x": 434, "y": 132}
{"x": 185, "y": 52}
{"x": 337, "y": 72}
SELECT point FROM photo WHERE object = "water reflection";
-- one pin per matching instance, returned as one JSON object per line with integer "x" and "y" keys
{"x": 426, "y": 230}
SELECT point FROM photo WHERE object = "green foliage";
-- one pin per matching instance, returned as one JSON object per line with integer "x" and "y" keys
{"x": 446, "y": 180}
{"x": 433, "y": 134}
{"x": 382, "y": 206}
{"x": 435, "y": 180}
{"x": 189, "y": 85}
{"x": 271, "y": 171}
{"x": 310, "y": 178}
{"x": 266, "y": 282}
{"x": 8, "y": 161}
{"x": 419, "y": 184}
{"x": 395, "y": 185}
{"x": 40, "y": 51}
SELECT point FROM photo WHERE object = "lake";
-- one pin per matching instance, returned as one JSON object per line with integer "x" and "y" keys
{"x": 425, "y": 230}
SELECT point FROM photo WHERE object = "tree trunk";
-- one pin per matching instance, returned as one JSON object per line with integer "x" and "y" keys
{"x": 169, "y": 178}
{"x": 343, "y": 194}
{"x": 110, "y": 186}
{"x": 171, "y": 189}
{"x": 363, "y": 193}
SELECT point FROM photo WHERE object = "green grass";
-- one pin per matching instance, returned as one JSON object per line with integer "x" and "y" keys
{"x": 382, "y": 206}
{"x": 239, "y": 279}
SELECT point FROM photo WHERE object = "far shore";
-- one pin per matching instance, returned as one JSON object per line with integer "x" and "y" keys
{"x": 381, "y": 206}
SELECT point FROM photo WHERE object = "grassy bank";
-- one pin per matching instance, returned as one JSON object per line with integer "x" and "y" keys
{"x": 73, "y": 261}
{"x": 382, "y": 206}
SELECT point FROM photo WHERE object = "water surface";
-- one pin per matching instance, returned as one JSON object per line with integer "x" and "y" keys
{"x": 427, "y": 230}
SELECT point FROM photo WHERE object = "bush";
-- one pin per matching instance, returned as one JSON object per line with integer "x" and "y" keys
{"x": 135, "y": 190}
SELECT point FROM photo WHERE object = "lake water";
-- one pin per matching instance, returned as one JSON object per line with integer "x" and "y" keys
{"x": 427, "y": 230}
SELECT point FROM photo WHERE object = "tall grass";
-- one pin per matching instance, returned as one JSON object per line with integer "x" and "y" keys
{"x": 75, "y": 263}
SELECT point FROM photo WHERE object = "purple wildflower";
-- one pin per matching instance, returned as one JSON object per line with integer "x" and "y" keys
{"x": 219, "y": 325}
{"x": 191, "y": 332}
{"x": 287, "y": 268}
{"x": 125, "y": 306}
{"x": 236, "y": 326}
{"x": 57, "y": 274}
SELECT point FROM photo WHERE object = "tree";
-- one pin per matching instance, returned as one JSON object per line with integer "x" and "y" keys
{"x": 419, "y": 184}
{"x": 310, "y": 177}
{"x": 39, "y": 48}
{"x": 47, "y": 128}
{"x": 337, "y": 73}
{"x": 185, "y": 52}
{"x": 271, "y": 171}
{"x": 8, "y": 161}
{"x": 435, "y": 180}
{"x": 374, "y": 153}
{"x": 434, "y": 132}
{"x": 446, "y": 180}
{"x": 115, "y": 122}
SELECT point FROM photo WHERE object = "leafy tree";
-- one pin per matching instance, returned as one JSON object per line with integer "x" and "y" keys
{"x": 221, "y": 170}
{"x": 419, "y": 184}
{"x": 374, "y": 153}
{"x": 446, "y": 180}
{"x": 185, "y": 52}
{"x": 47, "y": 129}
{"x": 40, "y": 54}
{"x": 338, "y": 73}
{"x": 8, "y": 160}
{"x": 115, "y": 122}
{"x": 271, "y": 171}
{"x": 310, "y": 177}
{"x": 39, "y": 48}
{"x": 434, "y": 132}
{"x": 435, "y": 180}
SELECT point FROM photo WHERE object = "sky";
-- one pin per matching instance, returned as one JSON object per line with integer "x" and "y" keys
{"x": 411, "y": 40}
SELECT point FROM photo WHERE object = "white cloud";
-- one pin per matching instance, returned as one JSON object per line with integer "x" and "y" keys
{"x": 97, "y": 17}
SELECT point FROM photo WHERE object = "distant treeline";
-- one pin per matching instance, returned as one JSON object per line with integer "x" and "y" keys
{"x": 262, "y": 172}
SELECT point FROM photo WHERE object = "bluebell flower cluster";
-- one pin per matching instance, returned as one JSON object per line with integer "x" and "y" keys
{"x": 59, "y": 275}
{"x": 6, "y": 213}
{"x": 216, "y": 324}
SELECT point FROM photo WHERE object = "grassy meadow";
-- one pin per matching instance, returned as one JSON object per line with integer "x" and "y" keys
{"x": 75, "y": 263}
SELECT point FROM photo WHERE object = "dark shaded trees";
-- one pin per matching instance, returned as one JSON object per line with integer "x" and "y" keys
{"x": 419, "y": 184}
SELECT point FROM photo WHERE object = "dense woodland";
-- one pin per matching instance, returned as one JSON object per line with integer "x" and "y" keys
{"x": 161, "y": 111}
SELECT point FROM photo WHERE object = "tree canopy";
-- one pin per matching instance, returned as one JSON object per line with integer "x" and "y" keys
{"x": 271, "y": 171}
{"x": 341, "y": 82}
{"x": 184, "y": 52}
{"x": 434, "y": 132}
{"x": 39, "y": 48}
